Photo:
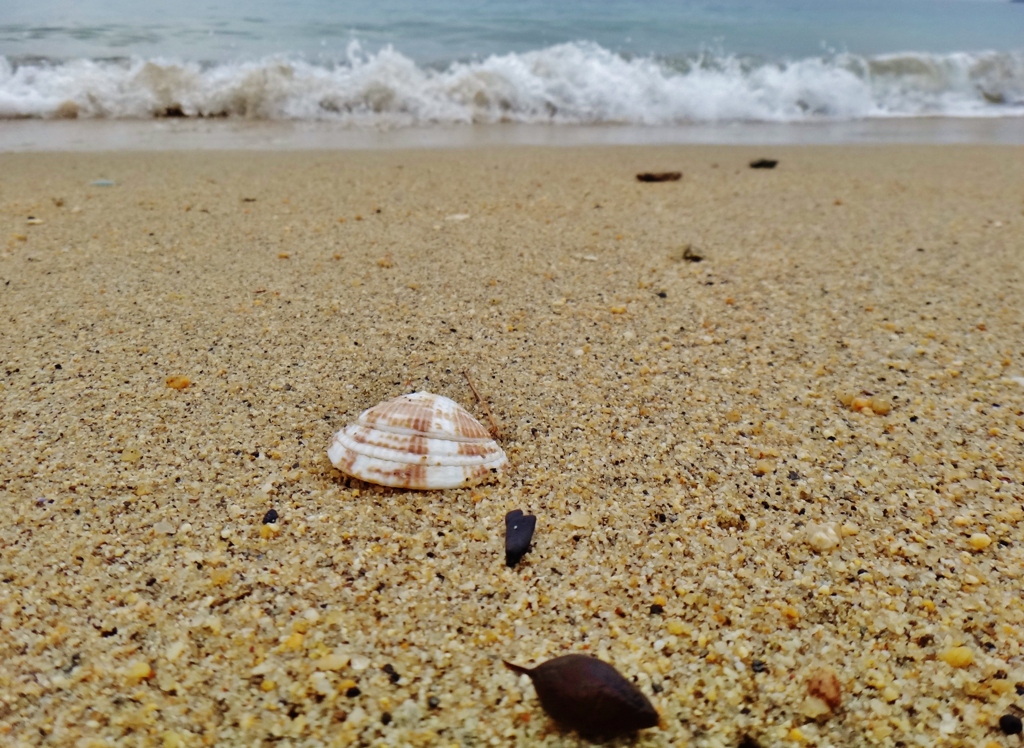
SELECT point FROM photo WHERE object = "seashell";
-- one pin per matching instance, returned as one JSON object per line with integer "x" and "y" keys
{"x": 419, "y": 441}
{"x": 589, "y": 696}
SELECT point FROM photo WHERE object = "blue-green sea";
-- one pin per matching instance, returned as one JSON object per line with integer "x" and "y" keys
{"x": 398, "y": 63}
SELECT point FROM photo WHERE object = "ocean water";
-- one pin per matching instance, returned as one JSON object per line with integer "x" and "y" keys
{"x": 399, "y": 63}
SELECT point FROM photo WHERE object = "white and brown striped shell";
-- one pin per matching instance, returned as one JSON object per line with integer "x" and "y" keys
{"x": 419, "y": 441}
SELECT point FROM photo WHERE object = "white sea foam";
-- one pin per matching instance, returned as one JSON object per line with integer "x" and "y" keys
{"x": 576, "y": 83}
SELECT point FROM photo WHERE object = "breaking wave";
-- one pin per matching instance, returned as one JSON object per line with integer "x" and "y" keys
{"x": 574, "y": 83}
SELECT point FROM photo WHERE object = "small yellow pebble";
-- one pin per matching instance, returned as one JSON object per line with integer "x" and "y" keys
{"x": 139, "y": 671}
{"x": 178, "y": 382}
{"x": 220, "y": 577}
{"x": 675, "y": 627}
{"x": 618, "y": 310}
{"x": 293, "y": 642}
{"x": 660, "y": 600}
{"x": 980, "y": 541}
{"x": 957, "y": 657}
{"x": 267, "y": 685}
{"x": 269, "y": 531}
{"x": 879, "y": 406}
{"x": 172, "y": 739}
{"x": 796, "y": 736}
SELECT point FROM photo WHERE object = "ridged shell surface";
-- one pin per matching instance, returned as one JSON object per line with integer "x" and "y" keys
{"x": 420, "y": 441}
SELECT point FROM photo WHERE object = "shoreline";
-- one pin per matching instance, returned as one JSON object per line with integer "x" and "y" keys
{"x": 795, "y": 461}
{"x": 35, "y": 135}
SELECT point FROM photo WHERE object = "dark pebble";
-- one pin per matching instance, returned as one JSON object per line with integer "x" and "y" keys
{"x": 433, "y": 702}
{"x": 764, "y": 163}
{"x": 657, "y": 610}
{"x": 659, "y": 176}
{"x": 748, "y": 742}
{"x": 585, "y": 694}
{"x": 385, "y": 719}
{"x": 270, "y": 517}
{"x": 1010, "y": 724}
{"x": 519, "y": 529}
{"x": 353, "y": 692}
{"x": 758, "y": 666}
{"x": 691, "y": 255}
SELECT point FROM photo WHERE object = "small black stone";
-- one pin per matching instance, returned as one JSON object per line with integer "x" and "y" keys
{"x": 385, "y": 718}
{"x": 57, "y": 366}
{"x": 659, "y": 176}
{"x": 1019, "y": 688}
{"x": 657, "y": 610}
{"x": 389, "y": 668}
{"x": 433, "y": 702}
{"x": 270, "y": 517}
{"x": 661, "y": 295}
{"x": 519, "y": 529}
{"x": 395, "y": 677}
{"x": 1010, "y": 724}
{"x": 353, "y": 692}
{"x": 764, "y": 163}
{"x": 758, "y": 666}
{"x": 748, "y": 742}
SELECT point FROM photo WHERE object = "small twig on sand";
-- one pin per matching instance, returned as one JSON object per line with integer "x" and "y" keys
{"x": 495, "y": 431}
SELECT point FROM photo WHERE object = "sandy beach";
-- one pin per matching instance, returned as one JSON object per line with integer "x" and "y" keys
{"x": 798, "y": 459}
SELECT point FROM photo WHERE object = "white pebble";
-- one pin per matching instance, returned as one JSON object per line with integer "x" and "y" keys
{"x": 360, "y": 663}
{"x": 822, "y": 538}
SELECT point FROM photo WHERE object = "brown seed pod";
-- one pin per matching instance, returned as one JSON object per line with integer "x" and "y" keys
{"x": 585, "y": 694}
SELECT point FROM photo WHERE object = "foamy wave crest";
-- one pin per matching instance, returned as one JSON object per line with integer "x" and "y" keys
{"x": 578, "y": 83}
